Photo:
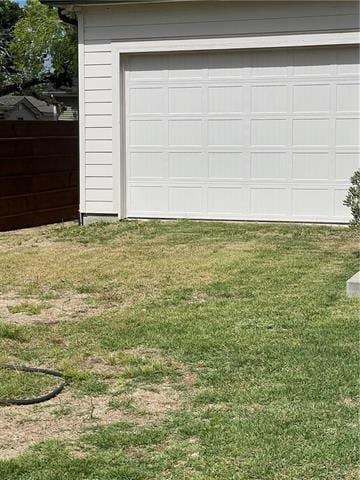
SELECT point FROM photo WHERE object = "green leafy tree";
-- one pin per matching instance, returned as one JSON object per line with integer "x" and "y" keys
{"x": 352, "y": 199}
{"x": 43, "y": 49}
{"x": 10, "y": 13}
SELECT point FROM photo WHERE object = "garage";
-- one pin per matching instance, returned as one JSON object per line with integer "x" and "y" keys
{"x": 257, "y": 134}
{"x": 217, "y": 110}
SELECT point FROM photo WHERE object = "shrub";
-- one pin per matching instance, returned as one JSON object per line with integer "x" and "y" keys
{"x": 352, "y": 199}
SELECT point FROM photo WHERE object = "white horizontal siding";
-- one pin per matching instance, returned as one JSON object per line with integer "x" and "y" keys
{"x": 98, "y": 133}
{"x": 99, "y": 195}
{"x": 95, "y": 146}
{"x": 104, "y": 183}
{"x": 99, "y": 207}
{"x": 97, "y": 96}
{"x": 96, "y": 57}
{"x": 105, "y": 25}
{"x": 190, "y": 12}
{"x": 98, "y": 121}
{"x": 217, "y": 18}
{"x": 103, "y": 83}
{"x": 98, "y": 158}
{"x": 234, "y": 27}
{"x": 97, "y": 71}
{"x": 101, "y": 108}
{"x": 99, "y": 170}
{"x": 93, "y": 47}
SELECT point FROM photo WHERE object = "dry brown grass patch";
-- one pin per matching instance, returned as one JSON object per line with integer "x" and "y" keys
{"x": 70, "y": 306}
{"x": 70, "y": 414}
{"x": 67, "y": 416}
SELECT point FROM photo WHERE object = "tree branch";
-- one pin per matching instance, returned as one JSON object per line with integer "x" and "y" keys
{"x": 19, "y": 87}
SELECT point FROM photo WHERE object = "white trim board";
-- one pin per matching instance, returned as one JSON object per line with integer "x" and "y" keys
{"x": 270, "y": 41}
{"x": 81, "y": 67}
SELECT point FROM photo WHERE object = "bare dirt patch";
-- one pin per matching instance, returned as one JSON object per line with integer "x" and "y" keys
{"x": 157, "y": 401}
{"x": 68, "y": 415}
{"x": 70, "y": 306}
{"x": 350, "y": 402}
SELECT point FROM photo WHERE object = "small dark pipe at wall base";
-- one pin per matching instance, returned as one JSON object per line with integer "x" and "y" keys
{"x": 34, "y": 400}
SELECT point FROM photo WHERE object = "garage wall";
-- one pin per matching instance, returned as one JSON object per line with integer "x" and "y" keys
{"x": 100, "y": 27}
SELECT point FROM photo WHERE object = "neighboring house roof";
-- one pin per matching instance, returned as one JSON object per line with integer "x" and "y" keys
{"x": 39, "y": 107}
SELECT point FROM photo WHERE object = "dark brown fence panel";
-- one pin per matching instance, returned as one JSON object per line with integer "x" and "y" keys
{"x": 39, "y": 173}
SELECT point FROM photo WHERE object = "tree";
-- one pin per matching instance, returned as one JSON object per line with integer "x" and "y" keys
{"x": 10, "y": 13}
{"x": 43, "y": 49}
{"x": 352, "y": 199}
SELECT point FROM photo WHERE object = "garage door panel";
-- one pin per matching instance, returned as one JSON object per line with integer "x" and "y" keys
{"x": 144, "y": 100}
{"x": 228, "y": 200}
{"x": 347, "y": 97}
{"x": 142, "y": 67}
{"x": 146, "y": 133}
{"x": 340, "y": 211}
{"x": 185, "y": 200}
{"x": 269, "y": 131}
{"x": 267, "y": 201}
{"x": 311, "y": 98}
{"x": 192, "y": 165}
{"x": 269, "y": 99}
{"x": 347, "y": 132}
{"x": 271, "y": 63}
{"x": 187, "y": 99}
{"x": 269, "y": 166}
{"x": 311, "y": 131}
{"x": 347, "y": 61}
{"x": 311, "y": 166}
{"x": 267, "y": 134}
{"x": 345, "y": 165}
{"x": 147, "y": 199}
{"x": 187, "y": 133}
{"x": 186, "y": 66}
{"x": 147, "y": 165}
{"x": 311, "y": 202}
{"x": 228, "y": 165}
{"x": 314, "y": 62}
{"x": 225, "y": 99}
{"x": 225, "y": 132}
{"x": 227, "y": 65}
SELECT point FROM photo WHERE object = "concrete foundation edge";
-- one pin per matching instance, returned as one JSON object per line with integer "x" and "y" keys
{"x": 90, "y": 218}
{"x": 353, "y": 286}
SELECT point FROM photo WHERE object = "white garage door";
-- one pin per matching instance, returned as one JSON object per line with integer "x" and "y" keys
{"x": 258, "y": 135}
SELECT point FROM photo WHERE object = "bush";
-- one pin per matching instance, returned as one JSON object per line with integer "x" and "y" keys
{"x": 352, "y": 199}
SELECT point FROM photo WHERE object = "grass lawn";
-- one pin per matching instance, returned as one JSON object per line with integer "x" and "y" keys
{"x": 192, "y": 350}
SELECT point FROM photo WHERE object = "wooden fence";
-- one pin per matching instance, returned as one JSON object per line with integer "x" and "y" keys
{"x": 39, "y": 173}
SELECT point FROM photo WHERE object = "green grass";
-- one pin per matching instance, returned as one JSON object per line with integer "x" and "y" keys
{"x": 256, "y": 314}
{"x": 10, "y": 332}
{"x": 27, "y": 308}
{"x": 17, "y": 384}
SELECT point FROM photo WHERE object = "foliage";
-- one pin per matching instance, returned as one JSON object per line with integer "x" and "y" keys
{"x": 10, "y": 13}
{"x": 42, "y": 48}
{"x": 352, "y": 199}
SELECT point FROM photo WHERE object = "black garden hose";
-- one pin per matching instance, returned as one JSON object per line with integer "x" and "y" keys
{"x": 42, "y": 398}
